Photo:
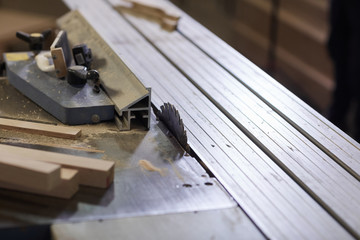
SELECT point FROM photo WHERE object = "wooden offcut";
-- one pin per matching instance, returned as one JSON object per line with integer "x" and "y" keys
{"x": 23, "y": 171}
{"x": 60, "y": 52}
{"x": 68, "y": 186}
{"x": 92, "y": 172}
{"x": 59, "y": 62}
{"x": 40, "y": 128}
{"x": 158, "y": 10}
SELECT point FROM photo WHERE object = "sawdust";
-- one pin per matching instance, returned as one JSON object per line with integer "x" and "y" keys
{"x": 8, "y": 136}
{"x": 146, "y": 165}
{"x": 95, "y": 129}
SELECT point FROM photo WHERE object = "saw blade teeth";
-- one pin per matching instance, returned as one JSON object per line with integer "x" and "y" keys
{"x": 170, "y": 116}
{"x": 177, "y": 115}
{"x": 162, "y": 108}
{"x": 181, "y": 124}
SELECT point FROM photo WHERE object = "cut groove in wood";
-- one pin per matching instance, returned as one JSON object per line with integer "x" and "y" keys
{"x": 39, "y": 128}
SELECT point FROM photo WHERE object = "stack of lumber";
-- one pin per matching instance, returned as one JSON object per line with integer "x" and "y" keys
{"x": 288, "y": 38}
{"x": 301, "y": 48}
{"x": 51, "y": 174}
{"x": 252, "y": 29}
{"x": 215, "y": 15}
{"x": 299, "y": 34}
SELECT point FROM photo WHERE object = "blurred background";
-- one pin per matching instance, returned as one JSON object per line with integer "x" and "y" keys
{"x": 286, "y": 38}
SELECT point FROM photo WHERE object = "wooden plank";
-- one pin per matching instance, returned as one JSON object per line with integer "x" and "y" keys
{"x": 23, "y": 171}
{"x": 276, "y": 204}
{"x": 44, "y": 145}
{"x": 256, "y": 15}
{"x": 313, "y": 12}
{"x": 168, "y": 17}
{"x": 253, "y": 45}
{"x": 165, "y": 23}
{"x": 305, "y": 41}
{"x": 40, "y": 128}
{"x": 306, "y": 77}
{"x": 92, "y": 172}
{"x": 67, "y": 187}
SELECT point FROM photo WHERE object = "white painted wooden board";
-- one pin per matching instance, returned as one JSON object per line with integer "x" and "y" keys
{"x": 269, "y": 196}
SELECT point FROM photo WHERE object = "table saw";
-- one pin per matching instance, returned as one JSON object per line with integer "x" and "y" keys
{"x": 263, "y": 164}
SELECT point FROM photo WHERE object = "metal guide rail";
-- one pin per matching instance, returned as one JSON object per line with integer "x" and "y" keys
{"x": 129, "y": 95}
{"x": 306, "y": 120}
{"x": 292, "y": 172}
{"x": 291, "y": 150}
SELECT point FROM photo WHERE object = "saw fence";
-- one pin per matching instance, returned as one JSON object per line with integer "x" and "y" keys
{"x": 290, "y": 172}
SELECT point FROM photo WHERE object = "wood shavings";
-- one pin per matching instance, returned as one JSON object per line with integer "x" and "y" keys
{"x": 85, "y": 149}
{"x": 146, "y": 165}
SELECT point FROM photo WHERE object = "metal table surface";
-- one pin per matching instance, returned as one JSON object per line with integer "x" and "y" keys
{"x": 267, "y": 164}
{"x": 182, "y": 187}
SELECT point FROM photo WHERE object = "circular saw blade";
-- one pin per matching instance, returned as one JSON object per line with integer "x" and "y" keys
{"x": 171, "y": 118}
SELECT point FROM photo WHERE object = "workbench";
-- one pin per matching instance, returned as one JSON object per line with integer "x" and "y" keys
{"x": 266, "y": 165}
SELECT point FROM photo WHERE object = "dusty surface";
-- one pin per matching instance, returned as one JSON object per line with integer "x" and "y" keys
{"x": 135, "y": 191}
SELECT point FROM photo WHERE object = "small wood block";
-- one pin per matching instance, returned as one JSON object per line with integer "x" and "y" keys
{"x": 167, "y": 16}
{"x": 156, "y": 8}
{"x": 168, "y": 25}
{"x": 23, "y": 171}
{"x": 40, "y": 128}
{"x": 68, "y": 186}
{"x": 92, "y": 172}
{"x": 59, "y": 62}
{"x": 61, "y": 41}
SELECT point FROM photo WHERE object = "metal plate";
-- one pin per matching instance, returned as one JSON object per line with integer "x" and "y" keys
{"x": 69, "y": 104}
{"x": 313, "y": 170}
{"x": 228, "y": 223}
{"x": 184, "y": 185}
